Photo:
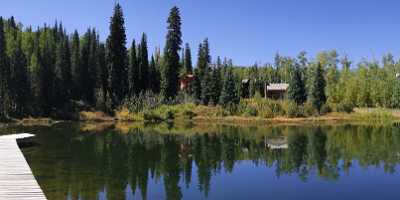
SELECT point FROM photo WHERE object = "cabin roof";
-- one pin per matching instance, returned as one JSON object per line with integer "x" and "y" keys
{"x": 277, "y": 86}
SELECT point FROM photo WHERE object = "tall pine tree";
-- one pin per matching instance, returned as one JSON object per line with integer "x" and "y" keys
{"x": 170, "y": 73}
{"x": 143, "y": 64}
{"x": 297, "y": 88}
{"x": 4, "y": 73}
{"x": 317, "y": 95}
{"x": 188, "y": 60}
{"x": 134, "y": 72}
{"x": 20, "y": 82}
{"x": 118, "y": 57}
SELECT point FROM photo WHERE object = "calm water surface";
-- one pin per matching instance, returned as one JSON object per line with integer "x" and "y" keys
{"x": 87, "y": 162}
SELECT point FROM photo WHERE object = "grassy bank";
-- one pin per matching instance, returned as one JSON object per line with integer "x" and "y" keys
{"x": 246, "y": 113}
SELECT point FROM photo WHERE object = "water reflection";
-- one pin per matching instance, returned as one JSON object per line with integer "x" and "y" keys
{"x": 159, "y": 163}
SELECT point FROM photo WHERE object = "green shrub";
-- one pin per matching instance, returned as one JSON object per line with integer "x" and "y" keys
{"x": 189, "y": 114}
{"x": 325, "y": 109}
{"x": 169, "y": 115}
{"x": 251, "y": 111}
{"x": 150, "y": 116}
{"x": 292, "y": 110}
{"x": 344, "y": 107}
{"x": 309, "y": 110}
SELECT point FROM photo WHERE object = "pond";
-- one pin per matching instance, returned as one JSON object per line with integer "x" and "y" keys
{"x": 73, "y": 161}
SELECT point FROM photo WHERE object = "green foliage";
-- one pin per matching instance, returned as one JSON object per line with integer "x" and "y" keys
{"x": 117, "y": 57}
{"x": 229, "y": 93}
{"x": 317, "y": 94}
{"x": 297, "y": 90}
{"x": 170, "y": 73}
{"x": 292, "y": 110}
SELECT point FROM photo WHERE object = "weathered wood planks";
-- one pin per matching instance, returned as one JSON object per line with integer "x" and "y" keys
{"x": 16, "y": 179}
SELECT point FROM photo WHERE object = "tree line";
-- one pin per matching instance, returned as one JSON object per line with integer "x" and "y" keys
{"x": 48, "y": 72}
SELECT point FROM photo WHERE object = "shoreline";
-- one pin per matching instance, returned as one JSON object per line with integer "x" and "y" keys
{"x": 328, "y": 119}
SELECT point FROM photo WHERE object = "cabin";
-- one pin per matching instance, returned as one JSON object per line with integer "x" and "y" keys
{"x": 185, "y": 81}
{"x": 276, "y": 90}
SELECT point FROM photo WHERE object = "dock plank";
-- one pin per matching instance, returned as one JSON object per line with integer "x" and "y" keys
{"x": 16, "y": 178}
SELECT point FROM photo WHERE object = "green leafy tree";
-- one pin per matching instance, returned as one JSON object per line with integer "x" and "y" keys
{"x": 170, "y": 73}
{"x": 117, "y": 57}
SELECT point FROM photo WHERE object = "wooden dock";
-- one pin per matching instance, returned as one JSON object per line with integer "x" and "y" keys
{"x": 16, "y": 179}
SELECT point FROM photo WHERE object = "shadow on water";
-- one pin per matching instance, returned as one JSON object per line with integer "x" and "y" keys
{"x": 120, "y": 161}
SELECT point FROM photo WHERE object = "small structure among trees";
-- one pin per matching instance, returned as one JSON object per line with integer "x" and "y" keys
{"x": 276, "y": 90}
{"x": 185, "y": 81}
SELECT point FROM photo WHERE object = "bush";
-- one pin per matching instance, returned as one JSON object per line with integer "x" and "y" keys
{"x": 251, "y": 111}
{"x": 292, "y": 110}
{"x": 189, "y": 114}
{"x": 309, "y": 109}
{"x": 325, "y": 109}
{"x": 144, "y": 102}
{"x": 150, "y": 116}
{"x": 343, "y": 107}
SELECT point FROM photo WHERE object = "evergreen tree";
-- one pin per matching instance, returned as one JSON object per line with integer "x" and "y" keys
{"x": 216, "y": 84}
{"x": 47, "y": 48}
{"x": 117, "y": 57}
{"x": 229, "y": 93}
{"x": 20, "y": 82}
{"x": 196, "y": 86}
{"x": 297, "y": 90}
{"x": 75, "y": 64}
{"x": 86, "y": 92}
{"x": 188, "y": 60}
{"x": 154, "y": 74}
{"x": 134, "y": 77}
{"x": 4, "y": 73}
{"x": 170, "y": 73}
{"x": 144, "y": 64}
{"x": 103, "y": 72}
{"x": 63, "y": 74}
{"x": 318, "y": 97}
{"x": 206, "y": 86}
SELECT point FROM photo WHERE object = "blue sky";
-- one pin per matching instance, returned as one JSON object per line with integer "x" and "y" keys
{"x": 247, "y": 31}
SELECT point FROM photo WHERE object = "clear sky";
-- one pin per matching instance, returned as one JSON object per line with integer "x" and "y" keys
{"x": 247, "y": 31}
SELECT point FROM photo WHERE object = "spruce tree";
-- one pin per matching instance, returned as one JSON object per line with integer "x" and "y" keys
{"x": 297, "y": 90}
{"x": 154, "y": 74}
{"x": 63, "y": 78}
{"x": 20, "y": 82}
{"x": 170, "y": 73}
{"x": 117, "y": 57}
{"x": 144, "y": 64}
{"x": 229, "y": 93}
{"x": 134, "y": 77}
{"x": 206, "y": 86}
{"x": 188, "y": 60}
{"x": 317, "y": 96}
{"x": 75, "y": 64}
{"x": 216, "y": 84}
{"x": 103, "y": 72}
{"x": 4, "y": 73}
{"x": 47, "y": 48}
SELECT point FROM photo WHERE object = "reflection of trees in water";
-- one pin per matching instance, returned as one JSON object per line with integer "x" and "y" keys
{"x": 111, "y": 162}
